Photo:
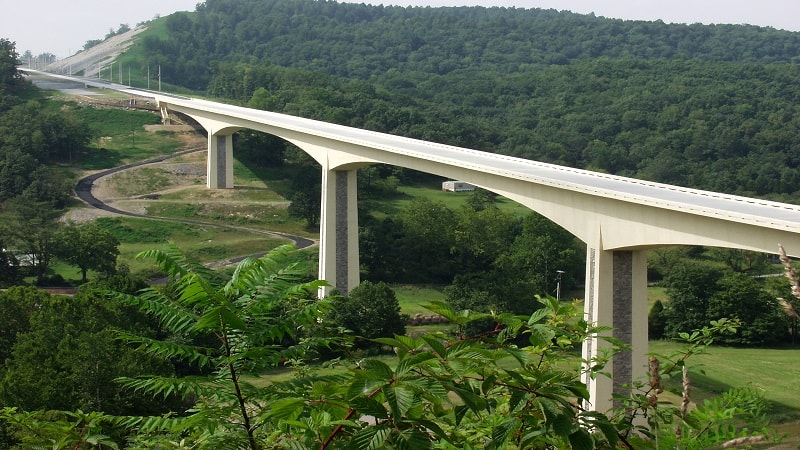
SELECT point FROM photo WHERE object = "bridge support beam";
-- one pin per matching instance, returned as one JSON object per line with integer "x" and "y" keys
{"x": 219, "y": 168}
{"x": 165, "y": 117}
{"x": 616, "y": 296}
{"x": 338, "y": 253}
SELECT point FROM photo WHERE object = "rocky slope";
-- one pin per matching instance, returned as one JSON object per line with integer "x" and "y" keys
{"x": 100, "y": 56}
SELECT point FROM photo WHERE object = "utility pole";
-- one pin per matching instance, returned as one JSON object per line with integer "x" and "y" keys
{"x": 558, "y": 284}
{"x": 159, "y": 78}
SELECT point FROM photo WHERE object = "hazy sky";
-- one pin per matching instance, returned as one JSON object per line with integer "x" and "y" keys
{"x": 62, "y": 27}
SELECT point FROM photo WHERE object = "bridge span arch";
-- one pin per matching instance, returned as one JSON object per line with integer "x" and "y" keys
{"x": 618, "y": 218}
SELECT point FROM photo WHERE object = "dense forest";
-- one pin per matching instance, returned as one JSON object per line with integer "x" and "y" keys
{"x": 707, "y": 106}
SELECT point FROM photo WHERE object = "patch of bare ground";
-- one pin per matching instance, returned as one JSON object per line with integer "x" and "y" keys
{"x": 85, "y": 214}
{"x": 100, "y": 55}
{"x": 169, "y": 128}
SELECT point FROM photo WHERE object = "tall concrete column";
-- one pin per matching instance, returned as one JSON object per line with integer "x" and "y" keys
{"x": 219, "y": 168}
{"x": 338, "y": 253}
{"x": 616, "y": 297}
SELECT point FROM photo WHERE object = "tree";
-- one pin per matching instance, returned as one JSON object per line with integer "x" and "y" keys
{"x": 370, "y": 311}
{"x": 16, "y": 306}
{"x": 304, "y": 206}
{"x": 740, "y": 260}
{"x": 483, "y": 234}
{"x": 30, "y": 137}
{"x": 741, "y": 297}
{"x": 656, "y": 321}
{"x": 260, "y": 149}
{"x": 507, "y": 387}
{"x": 9, "y": 275}
{"x": 241, "y": 327}
{"x": 480, "y": 199}
{"x": 427, "y": 241}
{"x": 44, "y": 134}
{"x": 661, "y": 261}
{"x": 306, "y": 183}
{"x": 689, "y": 287}
{"x": 32, "y": 233}
{"x": 10, "y": 76}
{"x": 66, "y": 357}
{"x": 539, "y": 251}
{"x": 87, "y": 246}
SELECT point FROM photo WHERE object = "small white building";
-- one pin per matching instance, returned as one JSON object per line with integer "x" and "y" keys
{"x": 457, "y": 186}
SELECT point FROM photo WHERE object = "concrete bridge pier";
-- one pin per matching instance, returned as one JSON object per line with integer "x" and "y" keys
{"x": 219, "y": 167}
{"x": 616, "y": 297}
{"x": 338, "y": 253}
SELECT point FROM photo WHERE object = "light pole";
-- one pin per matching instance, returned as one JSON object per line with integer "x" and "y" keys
{"x": 558, "y": 284}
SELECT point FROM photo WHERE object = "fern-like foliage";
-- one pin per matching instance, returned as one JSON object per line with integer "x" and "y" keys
{"x": 252, "y": 322}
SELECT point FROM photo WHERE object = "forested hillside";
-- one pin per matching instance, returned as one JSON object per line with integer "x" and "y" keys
{"x": 712, "y": 107}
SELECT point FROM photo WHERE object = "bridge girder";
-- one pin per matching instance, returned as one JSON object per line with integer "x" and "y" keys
{"x": 616, "y": 229}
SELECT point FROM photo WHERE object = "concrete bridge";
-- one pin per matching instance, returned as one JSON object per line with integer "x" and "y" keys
{"x": 618, "y": 218}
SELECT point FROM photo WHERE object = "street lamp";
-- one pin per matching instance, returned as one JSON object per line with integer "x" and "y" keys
{"x": 558, "y": 284}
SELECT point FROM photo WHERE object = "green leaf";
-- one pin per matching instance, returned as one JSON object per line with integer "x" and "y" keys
{"x": 393, "y": 342}
{"x": 373, "y": 368}
{"x": 285, "y": 408}
{"x": 564, "y": 425}
{"x": 436, "y": 345}
{"x": 550, "y": 410}
{"x": 518, "y": 398}
{"x": 445, "y": 310}
{"x": 501, "y": 432}
{"x": 371, "y": 438}
{"x": 400, "y": 399}
{"x": 581, "y": 440}
{"x": 541, "y": 335}
{"x": 362, "y": 386}
{"x": 537, "y": 316}
{"x": 607, "y": 428}
{"x": 411, "y": 362}
{"x": 460, "y": 411}
{"x": 369, "y": 406}
{"x": 474, "y": 402}
{"x": 413, "y": 439}
{"x": 519, "y": 354}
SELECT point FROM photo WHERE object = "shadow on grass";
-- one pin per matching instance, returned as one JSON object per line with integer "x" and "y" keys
{"x": 98, "y": 159}
{"x": 704, "y": 387}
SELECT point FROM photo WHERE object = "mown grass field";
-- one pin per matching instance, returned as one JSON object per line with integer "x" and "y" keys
{"x": 775, "y": 372}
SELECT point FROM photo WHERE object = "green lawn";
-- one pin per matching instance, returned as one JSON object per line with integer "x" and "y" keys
{"x": 204, "y": 244}
{"x": 411, "y": 298}
{"x": 775, "y": 371}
